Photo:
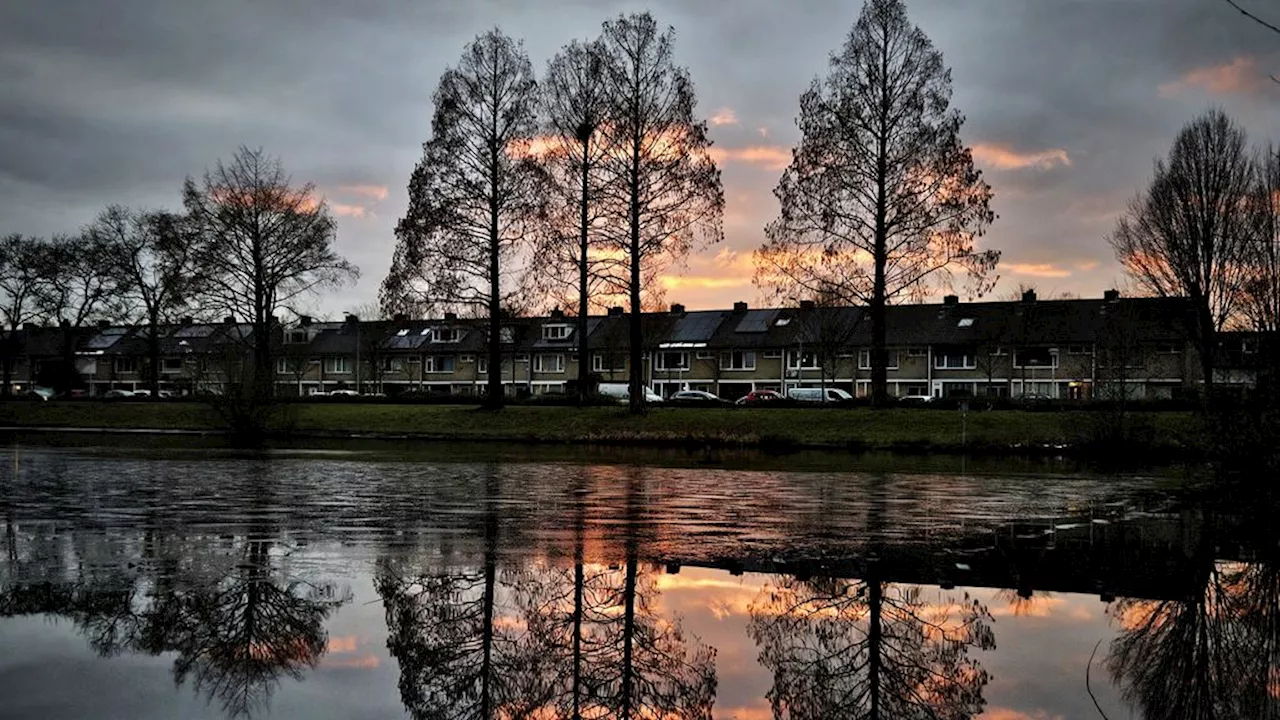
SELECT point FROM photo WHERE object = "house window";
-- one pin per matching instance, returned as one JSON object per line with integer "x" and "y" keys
{"x": 954, "y": 361}
{"x": 466, "y": 359}
{"x": 507, "y": 335}
{"x": 548, "y": 363}
{"x": 606, "y": 362}
{"x": 297, "y": 337}
{"x": 446, "y": 335}
{"x": 522, "y": 358}
{"x": 802, "y": 360}
{"x": 890, "y": 360}
{"x": 126, "y": 365}
{"x": 482, "y": 365}
{"x": 916, "y": 390}
{"x": 672, "y": 361}
{"x": 738, "y": 360}
{"x": 282, "y": 366}
{"x": 1248, "y": 347}
{"x": 1167, "y": 349}
{"x": 772, "y": 354}
{"x": 337, "y": 365}
{"x": 441, "y": 363}
{"x": 705, "y": 355}
{"x": 1035, "y": 357}
{"x": 917, "y": 352}
{"x": 556, "y": 332}
{"x": 391, "y": 364}
{"x": 999, "y": 352}
{"x": 171, "y": 365}
{"x": 1077, "y": 349}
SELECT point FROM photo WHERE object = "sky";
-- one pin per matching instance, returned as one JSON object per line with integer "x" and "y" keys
{"x": 1068, "y": 102}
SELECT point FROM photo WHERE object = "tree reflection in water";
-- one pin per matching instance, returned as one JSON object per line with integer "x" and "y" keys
{"x": 868, "y": 649}
{"x": 1212, "y": 655}
{"x": 542, "y": 641}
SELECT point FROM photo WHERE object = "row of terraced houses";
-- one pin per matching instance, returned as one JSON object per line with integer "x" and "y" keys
{"x": 1068, "y": 349}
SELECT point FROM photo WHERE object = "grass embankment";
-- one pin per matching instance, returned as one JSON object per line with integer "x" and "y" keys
{"x": 854, "y": 428}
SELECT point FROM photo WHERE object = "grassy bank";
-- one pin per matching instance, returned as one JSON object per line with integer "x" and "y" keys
{"x": 855, "y": 428}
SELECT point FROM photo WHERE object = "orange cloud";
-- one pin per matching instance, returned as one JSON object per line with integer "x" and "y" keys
{"x": 343, "y": 644}
{"x": 769, "y": 157}
{"x": 1044, "y": 270}
{"x": 1003, "y": 157}
{"x": 351, "y": 211}
{"x": 999, "y": 713}
{"x": 375, "y": 192}
{"x": 1087, "y": 265}
{"x": 1238, "y": 77}
{"x": 724, "y": 116}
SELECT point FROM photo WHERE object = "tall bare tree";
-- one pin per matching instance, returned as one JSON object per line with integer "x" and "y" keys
{"x": 1260, "y": 301}
{"x": 475, "y": 197}
{"x": 21, "y": 261}
{"x": 76, "y": 286}
{"x": 1190, "y": 233}
{"x": 667, "y": 182}
{"x": 262, "y": 243}
{"x": 882, "y": 199}
{"x": 152, "y": 255}
{"x": 575, "y": 105}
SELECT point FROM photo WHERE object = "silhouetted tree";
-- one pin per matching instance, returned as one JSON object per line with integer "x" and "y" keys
{"x": 1190, "y": 233}
{"x": 262, "y": 244}
{"x": 868, "y": 649}
{"x": 77, "y": 285}
{"x": 475, "y": 197}
{"x": 882, "y": 199}
{"x": 667, "y": 186}
{"x": 22, "y": 260}
{"x": 152, "y": 255}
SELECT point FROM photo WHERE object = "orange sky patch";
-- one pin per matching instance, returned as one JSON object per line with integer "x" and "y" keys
{"x": 1010, "y": 714}
{"x": 1241, "y": 76}
{"x": 1003, "y": 157}
{"x": 343, "y": 644}
{"x": 724, "y": 116}
{"x": 351, "y": 211}
{"x": 375, "y": 192}
{"x": 1041, "y": 270}
{"x": 769, "y": 157}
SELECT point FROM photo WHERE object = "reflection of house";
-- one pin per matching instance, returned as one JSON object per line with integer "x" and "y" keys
{"x": 1059, "y": 348}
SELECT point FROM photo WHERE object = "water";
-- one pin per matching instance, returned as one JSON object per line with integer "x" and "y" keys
{"x": 209, "y": 584}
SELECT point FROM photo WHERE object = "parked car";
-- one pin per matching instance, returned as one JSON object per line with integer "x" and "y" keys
{"x": 41, "y": 394}
{"x": 167, "y": 394}
{"x": 622, "y": 392}
{"x": 760, "y": 397}
{"x": 697, "y": 397}
{"x": 915, "y": 399}
{"x": 343, "y": 393}
{"x": 815, "y": 395}
{"x": 142, "y": 393}
{"x": 117, "y": 394}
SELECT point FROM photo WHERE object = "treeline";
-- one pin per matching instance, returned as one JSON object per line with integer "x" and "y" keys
{"x": 246, "y": 243}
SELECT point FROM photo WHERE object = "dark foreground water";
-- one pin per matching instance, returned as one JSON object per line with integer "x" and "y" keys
{"x": 202, "y": 584}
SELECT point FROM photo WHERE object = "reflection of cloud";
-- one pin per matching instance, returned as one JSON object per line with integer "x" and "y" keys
{"x": 1044, "y": 270}
{"x": 1238, "y": 77}
{"x": 341, "y": 653}
{"x": 748, "y": 713}
{"x": 724, "y": 116}
{"x": 1010, "y": 714}
{"x": 1003, "y": 157}
{"x": 770, "y": 157}
{"x": 343, "y": 644}
{"x": 361, "y": 662}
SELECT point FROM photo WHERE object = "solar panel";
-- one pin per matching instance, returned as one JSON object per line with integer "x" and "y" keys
{"x": 695, "y": 327}
{"x": 756, "y": 321}
{"x": 195, "y": 331}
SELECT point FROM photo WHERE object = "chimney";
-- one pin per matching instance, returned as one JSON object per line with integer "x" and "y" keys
{"x": 951, "y": 300}
{"x": 807, "y": 305}
{"x": 615, "y": 312}
{"x": 229, "y": 320}
{"x": 739, "y": 307}
{"x": 188, "y": 320}
{"x": 677, "y": 309}
{"x": 352, "y": 319}
{"x": 102, "y": 324}
{"x": 450, "y": 316}
{"x": 304, "y": 320}
{"x": 1111, "y": 295}
{"x": 399, "y": 317}
{"x": 557, "y": 314}
{"x": 1029, "y": 296}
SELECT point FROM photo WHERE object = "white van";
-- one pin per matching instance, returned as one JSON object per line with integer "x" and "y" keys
{"x": 622, "y": 391}
{"x": 814, "y": 395}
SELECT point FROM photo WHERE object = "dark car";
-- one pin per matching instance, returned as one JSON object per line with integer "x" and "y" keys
{"x": 761, "y": 397}
{"x": 696, "y": 397}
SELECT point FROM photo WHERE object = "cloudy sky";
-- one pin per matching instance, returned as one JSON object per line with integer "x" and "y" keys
{"x": 1068, "y": 102}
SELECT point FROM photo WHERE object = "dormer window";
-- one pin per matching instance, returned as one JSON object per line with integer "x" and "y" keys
{"x": 507, "y": 335}
{"x": 296, "y": 337}
{"x": 446, "y": 335}
{"x": 556, "y": 332}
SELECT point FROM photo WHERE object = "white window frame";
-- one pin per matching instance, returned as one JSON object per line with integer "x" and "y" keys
{"x": 437, "y": 335}
{"x": 917, "y": 352}
{"x": 432, "y": 365}
{"x": 125, "y": 365}
{"x": 705, "y": 355}
{"x": 969, "y": 361}
{"x": 1053, "y": 361}
{"x": 282, "y": 366}
{"x": 556, "y": 332}
{"x": 1078, "y": 350}
{"x": 771, "y": 354}
{"x": 891, "y": 361}
{"x": 337, "y": 365}
{"x": 391, "y": 364}
{"x": 556, "y": 361}
{"x": 661, "y": 362}
{"x": 482, "y": 365}
{"x": 748, "y": 358}
{"x": 795, "y": 360}
{"x": 165, "y": 369}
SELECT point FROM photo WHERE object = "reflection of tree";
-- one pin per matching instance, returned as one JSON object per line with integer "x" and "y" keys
{"x": 1214, "y": 653}
{"x": 868, "y": 649}
{"x": 235, "y": 621}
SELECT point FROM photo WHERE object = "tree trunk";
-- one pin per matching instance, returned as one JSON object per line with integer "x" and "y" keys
{"x": 8, "y": 355}
{"x": 875, "y": 636}
{"x": 153, "y": 354}
{"x": 629, "y": 637}
{"x": 584, "y": 358}
{"x": 1207, "y": 345}
{"x": 636, "y": 352}
{"x": 880, "y": 373}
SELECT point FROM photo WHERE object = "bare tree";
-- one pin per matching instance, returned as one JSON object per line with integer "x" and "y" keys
{"x": 575, "y": 105}
{"x": 1190, "y": 233}
{"x": 152, "y": 255}
{"x": 668, "y": 187}
{"x": 476, "y": 195}
{"x": 77, "y": 285}
{"x": 21, "y": 261}
{"x": 262, "y": 244}
{"x": 882, "y": 199}
{"x": 1260, "y": 301}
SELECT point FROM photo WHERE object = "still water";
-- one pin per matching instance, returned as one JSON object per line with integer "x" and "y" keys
{"x": 204, "y": 584}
